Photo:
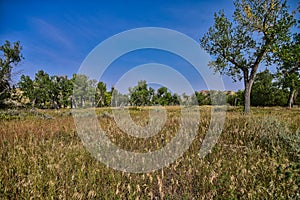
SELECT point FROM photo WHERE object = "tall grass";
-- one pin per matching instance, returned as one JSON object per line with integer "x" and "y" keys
{"x": 257, "y": 156}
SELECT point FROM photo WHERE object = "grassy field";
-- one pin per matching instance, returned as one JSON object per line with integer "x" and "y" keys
{"x": 257, "y": 157}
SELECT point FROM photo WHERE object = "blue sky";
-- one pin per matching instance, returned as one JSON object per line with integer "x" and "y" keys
{"x": 58, "y": 35}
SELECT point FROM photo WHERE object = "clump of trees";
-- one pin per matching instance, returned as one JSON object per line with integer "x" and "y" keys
{"x": 45, "y": 91}
{"x": 142, "y": 95}
{"x": 268, "y": 90}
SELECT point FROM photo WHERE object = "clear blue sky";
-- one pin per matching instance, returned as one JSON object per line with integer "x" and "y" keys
{"x": 57, "y": 35}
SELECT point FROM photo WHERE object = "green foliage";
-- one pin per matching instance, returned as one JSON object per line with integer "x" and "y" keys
{"x": 42, "y": 84}
{"x": 232, "y": 99}
{"x": 108, "y": 97}
{"x": 26, "y": 86}
{"x": 240, "y": 97}
{"x": 288, "y": 54}
{"x": 203, "y": 99}
{"x": 163, "y": 97}
{"x": 57, "y": 92}
{"x": 118, "y": 99}
{"x": 175, "y": 99}
{"x": 83, "y": 91}
{"x": 65, "y": 88}
{"x": 46, "y": 91}
{"x": 140, "y": 95}
{"x": 288, "y": 57}
{"x": 265, "y": 92}
{"x": 100, "y": 94}
{"x": 10, "y": 55}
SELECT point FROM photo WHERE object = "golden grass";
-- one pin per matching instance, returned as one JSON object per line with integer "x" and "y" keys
{"x": 257, "y": 156}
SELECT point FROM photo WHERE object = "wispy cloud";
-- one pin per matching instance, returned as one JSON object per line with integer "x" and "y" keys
{"x": 52, "y": 33}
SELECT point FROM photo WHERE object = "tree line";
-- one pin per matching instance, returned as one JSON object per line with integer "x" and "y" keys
{"x": 45, "y": 91}
{"x": 55, "y": 92}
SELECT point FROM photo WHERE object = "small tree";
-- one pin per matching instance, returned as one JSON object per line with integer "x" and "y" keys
{"x": 140, "y": 95}
{"x": 100, "y": 94}
{"x": 118, "y": 99}
{"x": 239, "y": 47}
{"x": 66, "y": 90}
{"x": 163, "y": 97}
{"x": 42, "y": 86}
{"x": 175, "y": 99}
{"x": 10, "y": 55}
{"x": 27, "y": 87}
{"x": 81, "y": 89}
{"x": 263, "y": 90}
{"x": 203, "y": 99}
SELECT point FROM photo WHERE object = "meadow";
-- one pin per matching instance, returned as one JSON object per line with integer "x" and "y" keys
{"x": 257, "y": 157}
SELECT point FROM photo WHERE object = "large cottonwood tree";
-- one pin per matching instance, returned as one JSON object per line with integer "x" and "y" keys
{"x": 239, "y": 45}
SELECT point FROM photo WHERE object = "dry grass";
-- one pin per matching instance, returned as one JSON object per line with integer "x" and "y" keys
{"x": 257, "y": 156}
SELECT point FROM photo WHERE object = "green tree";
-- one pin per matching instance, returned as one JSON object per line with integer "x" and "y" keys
{"x": 37, "y": 90}
{"x": 240, "y": 46}
{"x": 119, "y": 99}
{"x": 289, "y": 60}
{"x": 281, "y": 94}
{"x": 139, "y": 95}
{"x": 203, "y": 99}
{"x": 263, "y": 90}
{"x": 45, "y": 91}
{"x": 217, "y": 97}
{"x": 60, "y": 90}
{"x": 27, "y": 87}
{"x": 108, "y": 98}
{"x": 81, "y": 90}
{"x": 175, "y": 99}
{"x": 10, "y": 55}
{"x": 54, "y": 92}
{"x": 66, "y": 90}
{"x": 232, "y": 98}
{"x": 100, "y": 94}
{"x": 163, "y": 97}
{"x": 42, "y": 87}
{"x": 240, "y": 97}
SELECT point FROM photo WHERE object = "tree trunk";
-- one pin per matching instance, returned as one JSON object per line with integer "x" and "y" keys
{"x": 291, "y": 98}
{"x": 247, "y": 94}
{"x": 74, "y": 103}
{"x": 71, "y": 100}
{"x": 33, "y": 104}
{"x": 100, "y": 101}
